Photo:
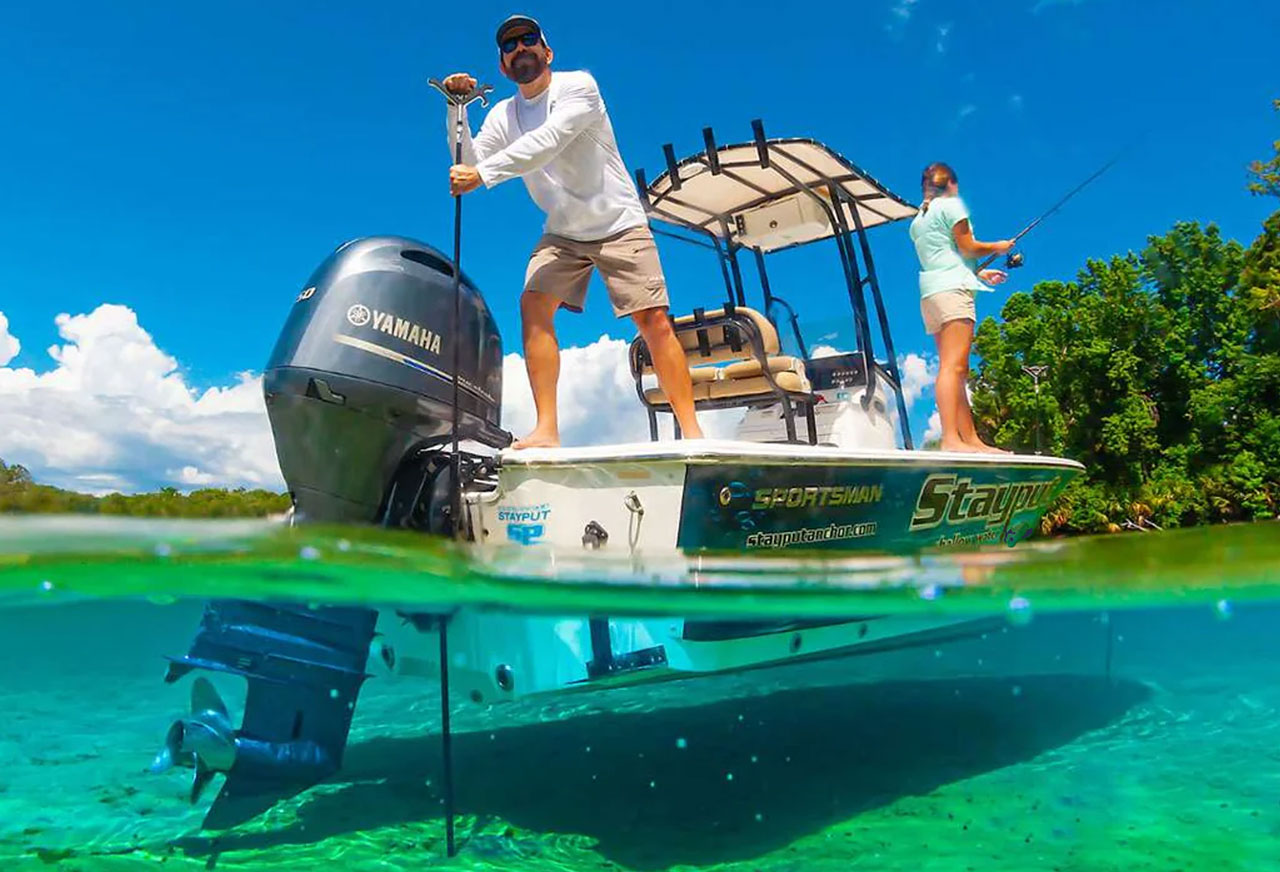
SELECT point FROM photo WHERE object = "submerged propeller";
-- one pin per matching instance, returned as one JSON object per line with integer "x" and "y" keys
{"x": 204, "y": 740}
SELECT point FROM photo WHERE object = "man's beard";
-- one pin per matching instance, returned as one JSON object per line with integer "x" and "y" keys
{"x": 525, "y": 67}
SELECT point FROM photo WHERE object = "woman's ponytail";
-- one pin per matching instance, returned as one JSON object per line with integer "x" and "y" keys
{"x": 933, "y": 181}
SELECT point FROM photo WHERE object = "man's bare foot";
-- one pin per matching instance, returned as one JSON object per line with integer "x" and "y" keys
{"x": 984, "y": 448}
{"x": 957, "y": 446}
{"x": 538, "y": 440}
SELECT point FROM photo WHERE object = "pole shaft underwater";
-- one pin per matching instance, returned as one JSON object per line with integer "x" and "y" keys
{"x": 446, "y": 738}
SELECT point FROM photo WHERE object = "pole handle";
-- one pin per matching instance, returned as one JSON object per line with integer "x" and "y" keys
{"x": 479, "y": 92}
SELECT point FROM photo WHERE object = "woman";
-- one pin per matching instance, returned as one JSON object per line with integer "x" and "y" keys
{"x": 948, "y": 256}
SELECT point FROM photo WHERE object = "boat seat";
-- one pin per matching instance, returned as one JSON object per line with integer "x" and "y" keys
{"x": 734, "y": 361}
{"x": 742, "y": 379}
{"x": 702, "y": 376}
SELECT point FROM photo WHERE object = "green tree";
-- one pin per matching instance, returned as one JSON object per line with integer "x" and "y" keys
{"x": 1161, "y": 379}
{"x": 19, "y": 493}
{"x": 1260, "y": 283}
{"x": 1266, "y": 174}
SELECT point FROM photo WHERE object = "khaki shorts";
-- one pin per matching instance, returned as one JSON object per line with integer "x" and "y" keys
{"x": 628, "y": 263}
{"x": 945, "y": 306}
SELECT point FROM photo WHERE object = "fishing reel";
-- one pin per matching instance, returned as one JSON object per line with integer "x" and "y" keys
{"x": 1013, "y": 260}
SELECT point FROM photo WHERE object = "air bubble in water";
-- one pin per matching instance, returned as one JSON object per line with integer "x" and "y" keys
{"x": 46, "y": 585}
{"x": 930, "y": 592}
{"x": 164, "y": 549}
{"x": 759, "y": 817}
{"x": 344, "y": 545}
{"x": 309, "y": 552}
{"x": 681, "y": 744}
{"x": 1017, "y": 690}
{"x": 333, "y": 693}
{"x": 728, "y": 776}
{"x": 1222, "y": 608}
{"x": 1020, "y": 611}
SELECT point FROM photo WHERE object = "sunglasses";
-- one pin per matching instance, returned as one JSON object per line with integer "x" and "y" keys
{"x": 526, "y": 39}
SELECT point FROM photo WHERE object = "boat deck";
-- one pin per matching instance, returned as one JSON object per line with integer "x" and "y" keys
{"x": 709, "y": 451}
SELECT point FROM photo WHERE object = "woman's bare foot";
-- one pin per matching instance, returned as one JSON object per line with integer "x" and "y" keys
{"x": 957, "y": 446}
{"x": 984, "y": 448}
{"x": 538, "y": 439}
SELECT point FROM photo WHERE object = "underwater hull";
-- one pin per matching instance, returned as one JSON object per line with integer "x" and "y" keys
{"x": 496, "y": 658}
{"x": 753, "y": 498}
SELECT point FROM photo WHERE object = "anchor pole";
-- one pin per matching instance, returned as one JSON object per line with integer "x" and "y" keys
{"x": 446, "y": 737}
{"x": 1111, "y": 639}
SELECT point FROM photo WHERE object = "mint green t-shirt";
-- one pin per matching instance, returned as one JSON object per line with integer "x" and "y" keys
{"x": 942, "y": 267}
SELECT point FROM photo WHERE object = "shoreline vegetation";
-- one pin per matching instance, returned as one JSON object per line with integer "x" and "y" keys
{"x": 1158, "y": 370}
{"x": 19, "y": 493}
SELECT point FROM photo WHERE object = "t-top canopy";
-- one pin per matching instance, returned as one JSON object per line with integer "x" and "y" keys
{"x": 761, "y": 194}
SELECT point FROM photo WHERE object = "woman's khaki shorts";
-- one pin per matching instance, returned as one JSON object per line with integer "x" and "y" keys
{"x": 628, "y": 263}
{"x": 945, "y": 306}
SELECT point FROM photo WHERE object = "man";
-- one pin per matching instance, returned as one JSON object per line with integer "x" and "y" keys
{"x": 556, "y": 135}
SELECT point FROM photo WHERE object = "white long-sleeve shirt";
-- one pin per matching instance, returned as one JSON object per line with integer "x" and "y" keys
{"x": 562, "y": 144}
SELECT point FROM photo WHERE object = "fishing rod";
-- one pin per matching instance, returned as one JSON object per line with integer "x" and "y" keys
{"x": 1014, "y": 259}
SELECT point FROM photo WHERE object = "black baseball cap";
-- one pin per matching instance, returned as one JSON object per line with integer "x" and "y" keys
{"x": 518, "y": 21}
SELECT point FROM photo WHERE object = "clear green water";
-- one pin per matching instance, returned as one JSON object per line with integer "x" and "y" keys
{"x": 1128, "y": 719}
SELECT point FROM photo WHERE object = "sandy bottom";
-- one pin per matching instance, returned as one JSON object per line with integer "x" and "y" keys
{"x": 1016, "y": 752}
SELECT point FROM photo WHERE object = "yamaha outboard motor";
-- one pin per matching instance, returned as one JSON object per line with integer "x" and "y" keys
{"x": 359, "y": 391}
{"x": 359, "y": 386}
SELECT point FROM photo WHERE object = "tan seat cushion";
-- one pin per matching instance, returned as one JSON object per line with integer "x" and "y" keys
{"x": 749, "y": 387}
{"x": 742, "y": 379}
{"x": 752, "y": 368}
{"x": 657, "y": 397}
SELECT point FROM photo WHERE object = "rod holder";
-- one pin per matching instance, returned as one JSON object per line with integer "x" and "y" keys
{"x": 762, "y": 147}
{"x": 673, "y": 171}
{"x": 642, "y": 189}
{"x": 713, "y": 156}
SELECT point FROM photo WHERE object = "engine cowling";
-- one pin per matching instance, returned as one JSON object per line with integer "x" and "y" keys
{"x": 361, "y": 375}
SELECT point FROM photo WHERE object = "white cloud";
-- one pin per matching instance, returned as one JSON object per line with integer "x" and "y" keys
{"x": 934, "y": 429}
{"x": 943, "y": 31}
{"x": 918, "y": 374}
{"x": 115, "y": 413}
{"x": 899, "y": 15}
{"x": 962, "y": 114}
{"x": 9, "y": 344}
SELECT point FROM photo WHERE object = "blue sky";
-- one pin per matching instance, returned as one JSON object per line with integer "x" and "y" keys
{"x": 195, "y": 162}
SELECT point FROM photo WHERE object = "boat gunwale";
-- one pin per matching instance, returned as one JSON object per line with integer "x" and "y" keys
{"x": 760, "y": 454}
